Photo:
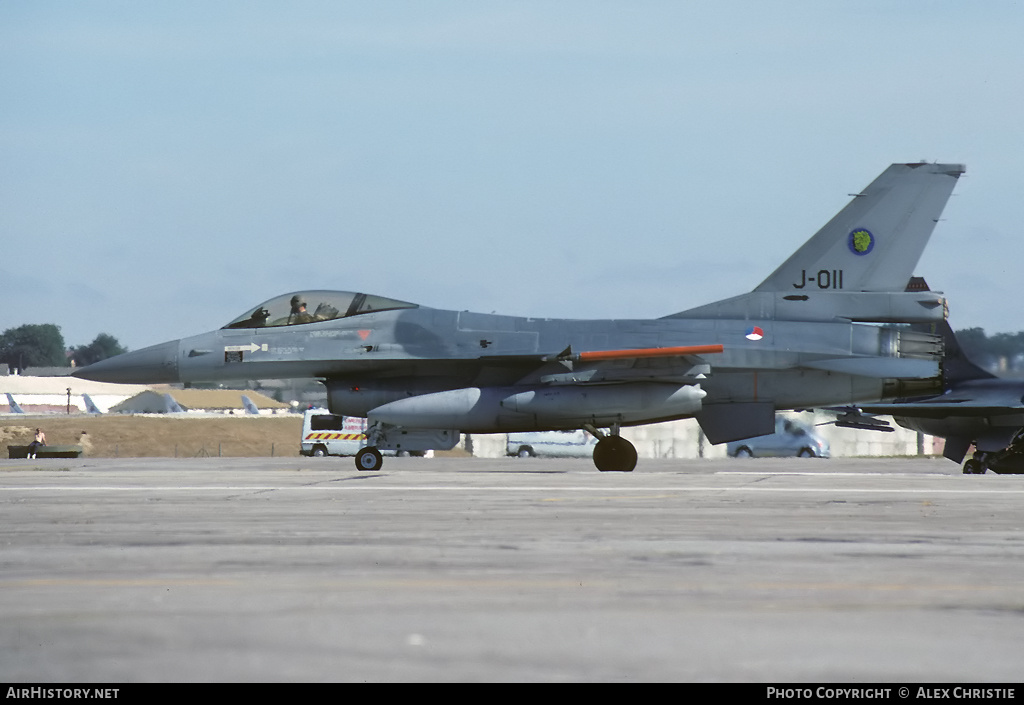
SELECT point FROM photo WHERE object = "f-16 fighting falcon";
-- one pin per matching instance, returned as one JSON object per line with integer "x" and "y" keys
{"x": 822, "y": 330}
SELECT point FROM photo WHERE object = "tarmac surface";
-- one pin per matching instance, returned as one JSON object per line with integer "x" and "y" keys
{"x": 461, "y": 569}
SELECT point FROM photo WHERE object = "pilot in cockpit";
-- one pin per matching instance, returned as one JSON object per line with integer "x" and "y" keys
{"x": 299, "y": 313}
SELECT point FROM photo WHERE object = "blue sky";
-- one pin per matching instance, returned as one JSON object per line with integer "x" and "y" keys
{"x": 166, "y": 166}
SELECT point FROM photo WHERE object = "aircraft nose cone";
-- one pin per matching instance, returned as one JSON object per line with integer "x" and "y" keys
{"x": 157, "y": 364}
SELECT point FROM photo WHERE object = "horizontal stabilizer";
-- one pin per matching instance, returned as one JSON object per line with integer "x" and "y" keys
{"x": 940, "y": 409}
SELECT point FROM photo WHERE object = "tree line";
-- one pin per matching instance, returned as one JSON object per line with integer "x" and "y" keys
{"x": 42, "y": 345}
{"x": 999, "y": 352}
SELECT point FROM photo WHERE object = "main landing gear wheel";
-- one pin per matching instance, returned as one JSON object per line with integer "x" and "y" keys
{"x": 978, "y": 464}
{"x": 369, "y": 459}
{"x": 614, "y": 454}
{"x": 974, "y": 467}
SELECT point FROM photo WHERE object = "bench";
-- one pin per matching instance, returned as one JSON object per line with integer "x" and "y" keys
{"x": 45, "y": 451}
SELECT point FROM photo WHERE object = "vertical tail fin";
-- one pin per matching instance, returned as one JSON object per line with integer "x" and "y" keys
{"x": 15, "y": 408}
{"x": 875, "y": 242}
{"x": 90, "y": 405}
{"x": 857, "y": 266}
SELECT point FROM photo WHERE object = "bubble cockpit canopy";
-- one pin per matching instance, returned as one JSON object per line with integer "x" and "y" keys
{"x": 313, "y": 306}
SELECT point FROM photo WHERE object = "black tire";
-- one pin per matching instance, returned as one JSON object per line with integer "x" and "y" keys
{"x": 369, "y": 459}
{"x": 525, "y": 452}
{"x": 319, "y": 451}
{"x": 805, "y": 453}
{"x": 974, "y": 467}
{"x": 743, "y": 452}
{"x": 614, "y": 454}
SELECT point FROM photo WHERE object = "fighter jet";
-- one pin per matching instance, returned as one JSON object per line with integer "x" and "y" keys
{"x": 821, "y": 330}
{"x": 975, "y": 408}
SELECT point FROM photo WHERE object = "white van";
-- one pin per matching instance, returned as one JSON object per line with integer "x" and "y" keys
{"x": 324, "y": 433}
{"x": 551, "y": 444}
